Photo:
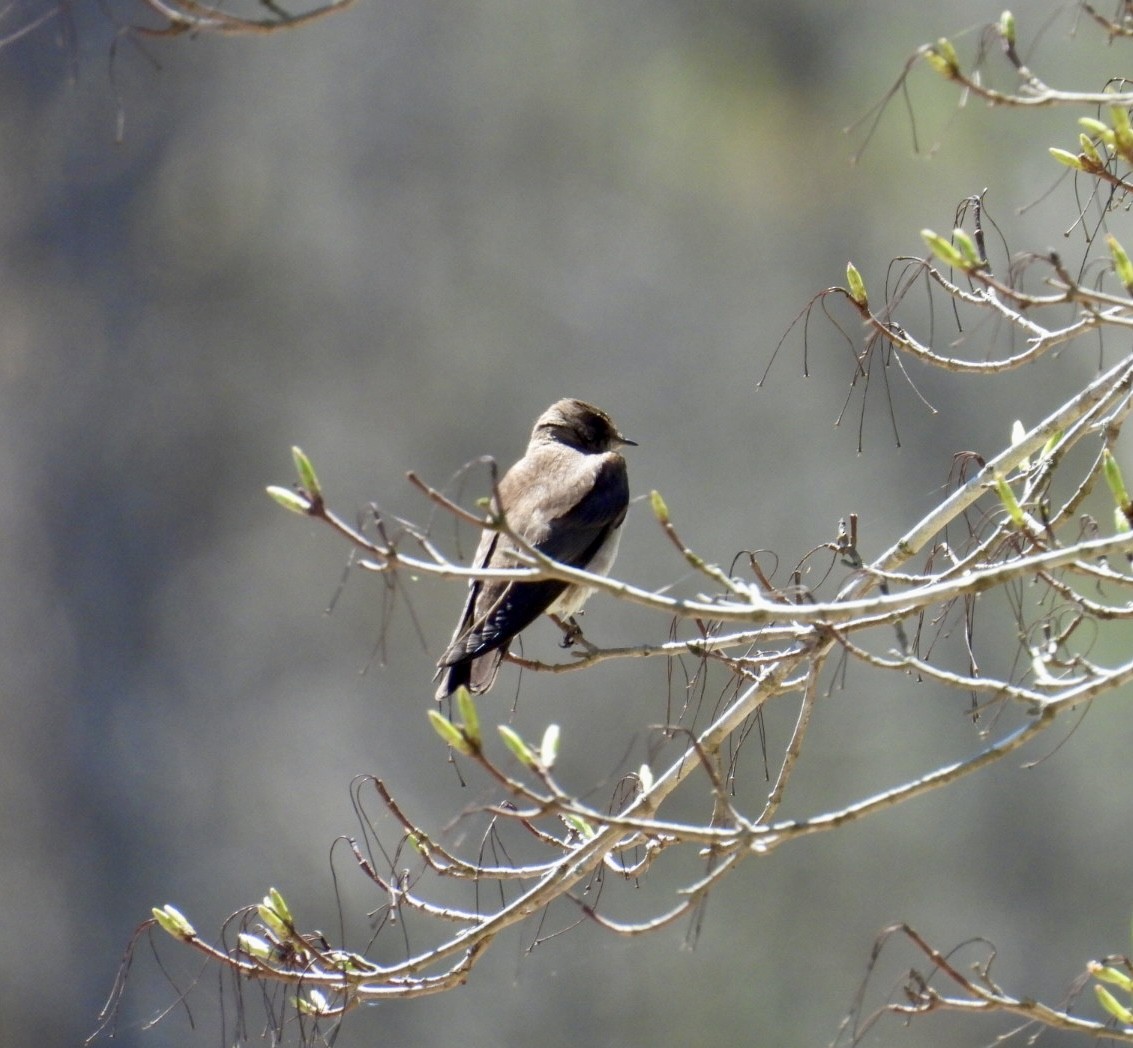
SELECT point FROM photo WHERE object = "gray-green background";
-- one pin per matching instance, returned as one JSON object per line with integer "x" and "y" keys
{"x": 393, "y": 238}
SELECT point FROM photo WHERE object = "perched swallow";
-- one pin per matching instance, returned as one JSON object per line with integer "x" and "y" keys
{"x": 567, "y": 498}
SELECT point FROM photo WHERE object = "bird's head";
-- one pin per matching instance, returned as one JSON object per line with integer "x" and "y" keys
{"x": 579, "y": 425}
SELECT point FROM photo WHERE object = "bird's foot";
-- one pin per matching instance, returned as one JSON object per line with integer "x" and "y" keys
{"x": 572, "y": 631}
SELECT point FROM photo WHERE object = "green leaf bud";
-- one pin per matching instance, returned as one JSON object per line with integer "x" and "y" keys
{"x": 518, "y": 747}
{"x": 450, "y": 733}
{"x": 856, "y": 285}
{"x": 1010, "y": 502}
{"x": 291, "y": 500}
{"x": 469, "y": 716}
{"x": 1069, "y": 159}
{"x": 549, "y": 747}
{"x": 1121, "y": 264}
{"x": 1112, "y": 1005}
{"x": 173, "y": 921}
{"x": 1007, "y": 28}
{"x": 942, "y": 249}
{"x": 307, "y": 477}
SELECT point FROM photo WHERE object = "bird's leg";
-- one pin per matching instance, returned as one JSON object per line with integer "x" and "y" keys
{"x": 572, "y": 631}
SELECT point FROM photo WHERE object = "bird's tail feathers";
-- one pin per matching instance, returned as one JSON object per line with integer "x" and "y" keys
{"x": 476, "y": 674}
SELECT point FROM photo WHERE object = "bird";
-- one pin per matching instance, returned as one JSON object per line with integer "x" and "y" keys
{"x": 567, "y": 498}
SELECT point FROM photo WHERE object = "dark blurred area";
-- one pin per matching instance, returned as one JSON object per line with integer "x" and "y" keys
{"x": 393, "y": 238}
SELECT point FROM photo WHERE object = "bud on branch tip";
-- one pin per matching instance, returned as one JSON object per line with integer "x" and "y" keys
{"x": 967, "y": 249}
{"x": 469, "y": 716}
{"x": 450, "y": 733}
{"x": 549, "y": 747}
{"x": 856, "y": 285}
{"x": 1010, "y": 502}
{"x": 1115, "y": 480}
{"x": 943, "y": 58}
{"x": 518, "y": 747}
{"x": 1069, "y": 159}
{"x": 1112, "y": 1005}
{"x": 289, "y": 499}
{"x": 308, "y": 480}
{"x": 1114, "y": 976}
{"x": 943, "y": 250}
{"x": 173, "y": 921}
{"x": 1121, "y": 264}
{"x": 1007, "y": 28}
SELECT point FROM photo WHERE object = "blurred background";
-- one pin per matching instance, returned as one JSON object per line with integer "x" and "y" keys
{"x": 393, "y": 238}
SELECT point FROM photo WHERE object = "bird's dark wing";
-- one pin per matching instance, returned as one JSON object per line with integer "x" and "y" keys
{"x": 483, "y": 594}
{"x": 459, "y": 663}
{"x": 601, "y": 497}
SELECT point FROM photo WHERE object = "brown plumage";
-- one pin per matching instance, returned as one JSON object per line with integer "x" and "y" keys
{"x": 567, "y": 497}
